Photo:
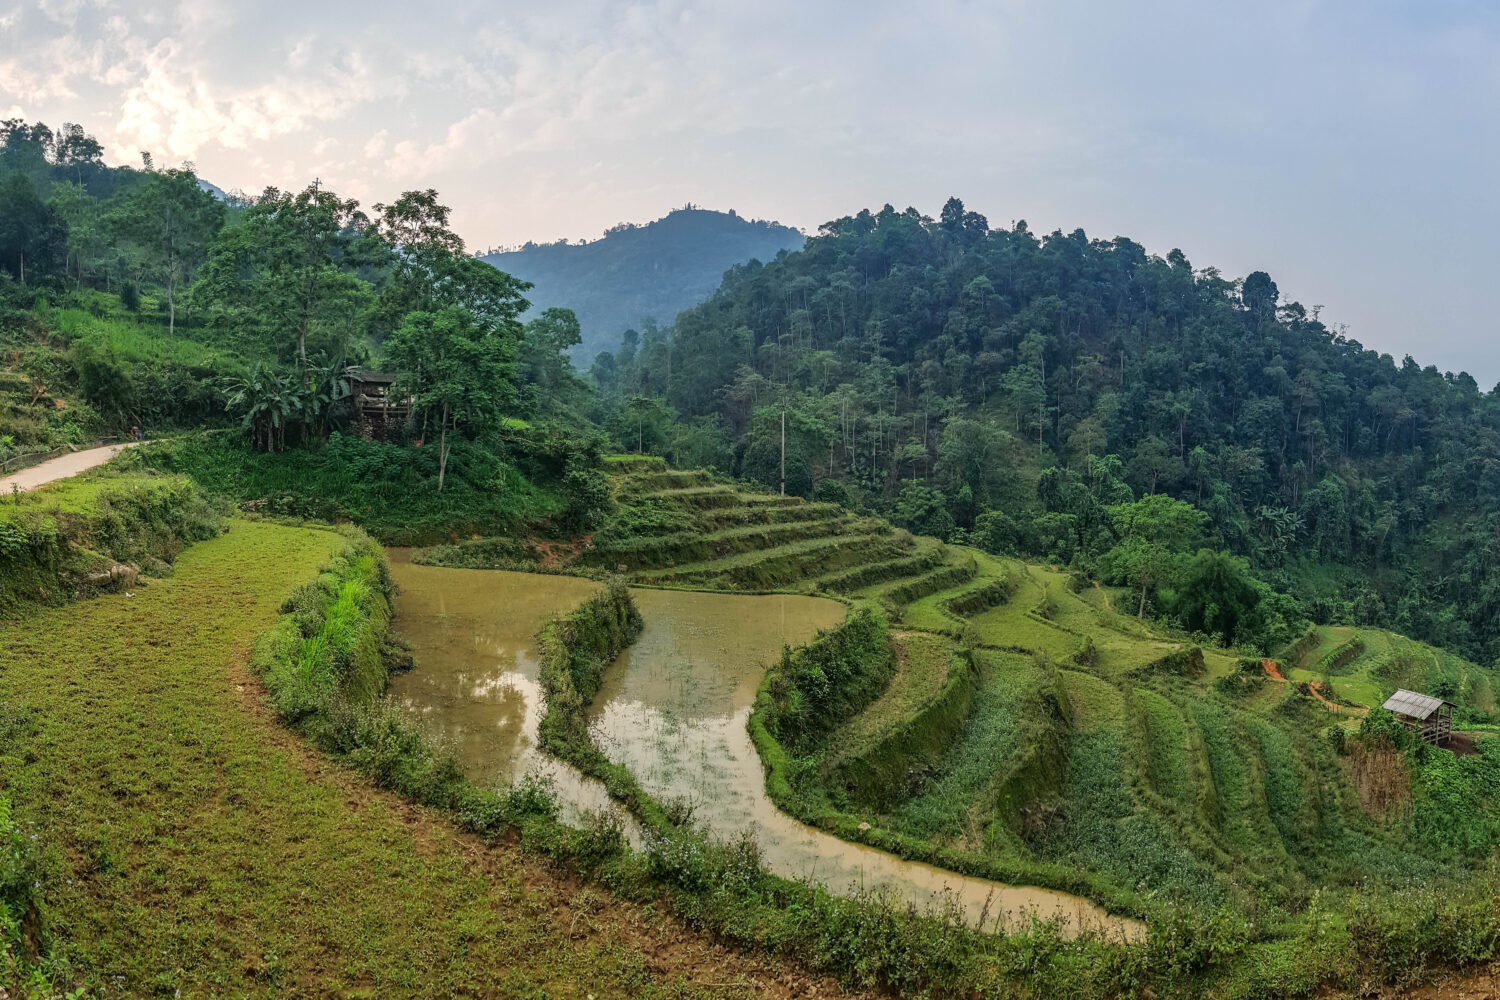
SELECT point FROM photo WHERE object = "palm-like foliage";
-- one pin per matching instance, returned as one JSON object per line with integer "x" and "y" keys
{"x": 267, "y": 400}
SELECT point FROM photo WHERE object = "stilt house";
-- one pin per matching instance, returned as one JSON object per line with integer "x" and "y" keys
{"x": 1431, "y": 718}
{"x": 379, "y": 407}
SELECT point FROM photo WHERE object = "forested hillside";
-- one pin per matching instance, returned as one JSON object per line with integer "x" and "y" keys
{"x": 638, "y": 275}
{"x": 1017, "y": 391}
{"x": 135, "y": 300}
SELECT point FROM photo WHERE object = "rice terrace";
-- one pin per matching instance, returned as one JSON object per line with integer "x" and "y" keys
{"x": 889, "y": 605}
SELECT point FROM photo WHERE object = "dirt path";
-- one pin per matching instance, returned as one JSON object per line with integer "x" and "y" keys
{"x": 61, "y": 467}
{"x": 1108, "y": 604}
{"x": 1316, "y": 688}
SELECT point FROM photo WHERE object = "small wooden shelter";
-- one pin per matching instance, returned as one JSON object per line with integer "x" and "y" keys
{"x": 1431, "y": 718}
{"x": 376, "y": 403}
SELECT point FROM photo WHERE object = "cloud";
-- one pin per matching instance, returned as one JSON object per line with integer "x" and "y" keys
{"x": 1342, "y": 146}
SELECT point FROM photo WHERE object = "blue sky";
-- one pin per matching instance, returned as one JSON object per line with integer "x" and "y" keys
{"x": 1346, "y": 148}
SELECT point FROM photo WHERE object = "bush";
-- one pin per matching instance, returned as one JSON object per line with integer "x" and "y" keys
{"x": 20, "y": 891}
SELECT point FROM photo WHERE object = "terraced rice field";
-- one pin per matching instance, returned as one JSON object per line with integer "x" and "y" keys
{"x": 1033, "y": 730}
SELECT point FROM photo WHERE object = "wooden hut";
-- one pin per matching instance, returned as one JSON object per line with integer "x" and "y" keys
{"x": 377, "y": 405}
{"x": 1431, "y": 718}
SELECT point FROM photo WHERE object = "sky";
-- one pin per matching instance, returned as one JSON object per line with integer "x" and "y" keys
{"x": 1348, "y": 149}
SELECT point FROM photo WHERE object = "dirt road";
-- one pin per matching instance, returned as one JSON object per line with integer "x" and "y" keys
{"x": 61, "y": 467}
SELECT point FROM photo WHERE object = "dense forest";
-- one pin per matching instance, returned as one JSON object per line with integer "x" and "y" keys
{"x": 1227, "y": 455}
{"x": 135, "y": 298}
{"x": 1018, "y": 392}
{"x": 639, "y": 273}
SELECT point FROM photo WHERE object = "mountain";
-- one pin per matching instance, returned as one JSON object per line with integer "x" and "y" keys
{"x": 637, "y": 272}
{"x": 1014, "y": 390}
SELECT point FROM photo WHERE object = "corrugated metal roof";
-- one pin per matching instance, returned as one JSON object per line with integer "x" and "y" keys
{"x": 1413, "y": 705}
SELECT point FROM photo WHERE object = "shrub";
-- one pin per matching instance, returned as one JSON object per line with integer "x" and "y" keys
{"x": 20, "y": 891}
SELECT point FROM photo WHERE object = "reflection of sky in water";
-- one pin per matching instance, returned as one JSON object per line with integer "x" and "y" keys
{"x": 672, "y": 708}
{"x": 476, "y": 683}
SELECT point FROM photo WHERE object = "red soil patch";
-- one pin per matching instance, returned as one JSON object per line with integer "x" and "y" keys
{"x": 556, "y": 553}
{"x": 1272, "y": 670}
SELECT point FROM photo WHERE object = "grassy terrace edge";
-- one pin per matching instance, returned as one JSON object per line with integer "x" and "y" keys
{"x": 780, "y": 689}
{"x": 722, "y": 889}
{"x": 326, "y": 659}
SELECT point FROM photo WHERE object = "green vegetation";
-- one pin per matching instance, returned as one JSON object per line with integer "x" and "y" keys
{"x": 575, "y": 650}
{"x": 636, "y": 277}
{"x": 83, "y": 536}
{"x": 1071, "y": 493}
{"x": 1019, "y": 392}
{"x": 163, "y": 800}
{"x": 170, "y": 309}
{"x": 383, "y": 487}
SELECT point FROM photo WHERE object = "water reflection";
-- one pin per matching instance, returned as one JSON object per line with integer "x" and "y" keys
{"x": 476, "y": 685}
{"x": 673, "y": 708}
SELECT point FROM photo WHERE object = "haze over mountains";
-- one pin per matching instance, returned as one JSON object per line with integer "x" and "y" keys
{"x": 636, "y": 272}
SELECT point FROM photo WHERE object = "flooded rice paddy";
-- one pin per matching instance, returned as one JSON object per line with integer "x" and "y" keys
{"x": 673, "y": 708}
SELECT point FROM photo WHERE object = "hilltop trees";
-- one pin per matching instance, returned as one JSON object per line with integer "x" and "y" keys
{"x": 286, "y": 275}
{"x": 1031, "y": 381}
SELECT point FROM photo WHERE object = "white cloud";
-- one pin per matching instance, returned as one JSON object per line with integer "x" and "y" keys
{"x": 1227, "y": 131}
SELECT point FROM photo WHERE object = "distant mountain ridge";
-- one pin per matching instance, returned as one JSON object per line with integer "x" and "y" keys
{"x": 634, "y": 272}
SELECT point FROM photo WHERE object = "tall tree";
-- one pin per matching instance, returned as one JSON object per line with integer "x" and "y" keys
{"x": 33, "y": 242}
{"x": 287, "y": 273}
{"x": 1154, "y": 533}
{"x": 173, "y": 221}
{"x": 457, "y": 369}
{"x": 430, "y": 271}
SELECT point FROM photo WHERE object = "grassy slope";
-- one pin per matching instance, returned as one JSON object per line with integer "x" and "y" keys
{"x": 196, "y": 846}
{"x": 1389, "y": 661}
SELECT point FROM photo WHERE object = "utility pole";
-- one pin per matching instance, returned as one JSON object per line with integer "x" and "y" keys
{"x": 783, "y": 446}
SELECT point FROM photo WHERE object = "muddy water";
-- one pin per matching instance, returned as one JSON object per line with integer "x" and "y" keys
{"x": 673, "y": 708}
{"x": 476, "y": 685}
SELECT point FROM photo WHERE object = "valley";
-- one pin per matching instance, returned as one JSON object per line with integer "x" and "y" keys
{"x": 922, "y": 608}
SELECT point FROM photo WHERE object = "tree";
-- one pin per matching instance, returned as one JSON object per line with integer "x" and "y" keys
{"x": 173, "y": 222}
{"x": 1153, "y": 463}
{"x": 971, "y": 453}
{"x": 429, "y": 270}
{"x": 1259, "y": 293}
{"x": 287, "y": 273}
{"x": 923, "y": 510}
{"x": 1216, "y": 594}
{"x": 542, "y": 364}
{"x": 32, "y": 240}
{"x": 266, "y": 400}
{"x": 1154, "y": 531}
{"x": 80, "y": 214}
{"x": 457, "y": 369}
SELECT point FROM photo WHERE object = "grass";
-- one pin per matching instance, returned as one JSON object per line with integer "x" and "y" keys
{"x": 1008, "y": 693}
{"x": 1013, "y": 625}
{"x": 55, "y": 542}
{"x": 922, "y": 663}
{"x": 193, "y": 846}
{"x": 1166, "y": 741}
{"x": 779, "y": 566}
{"x": 930, "y": 612}
{"x": 130, "y": 339}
